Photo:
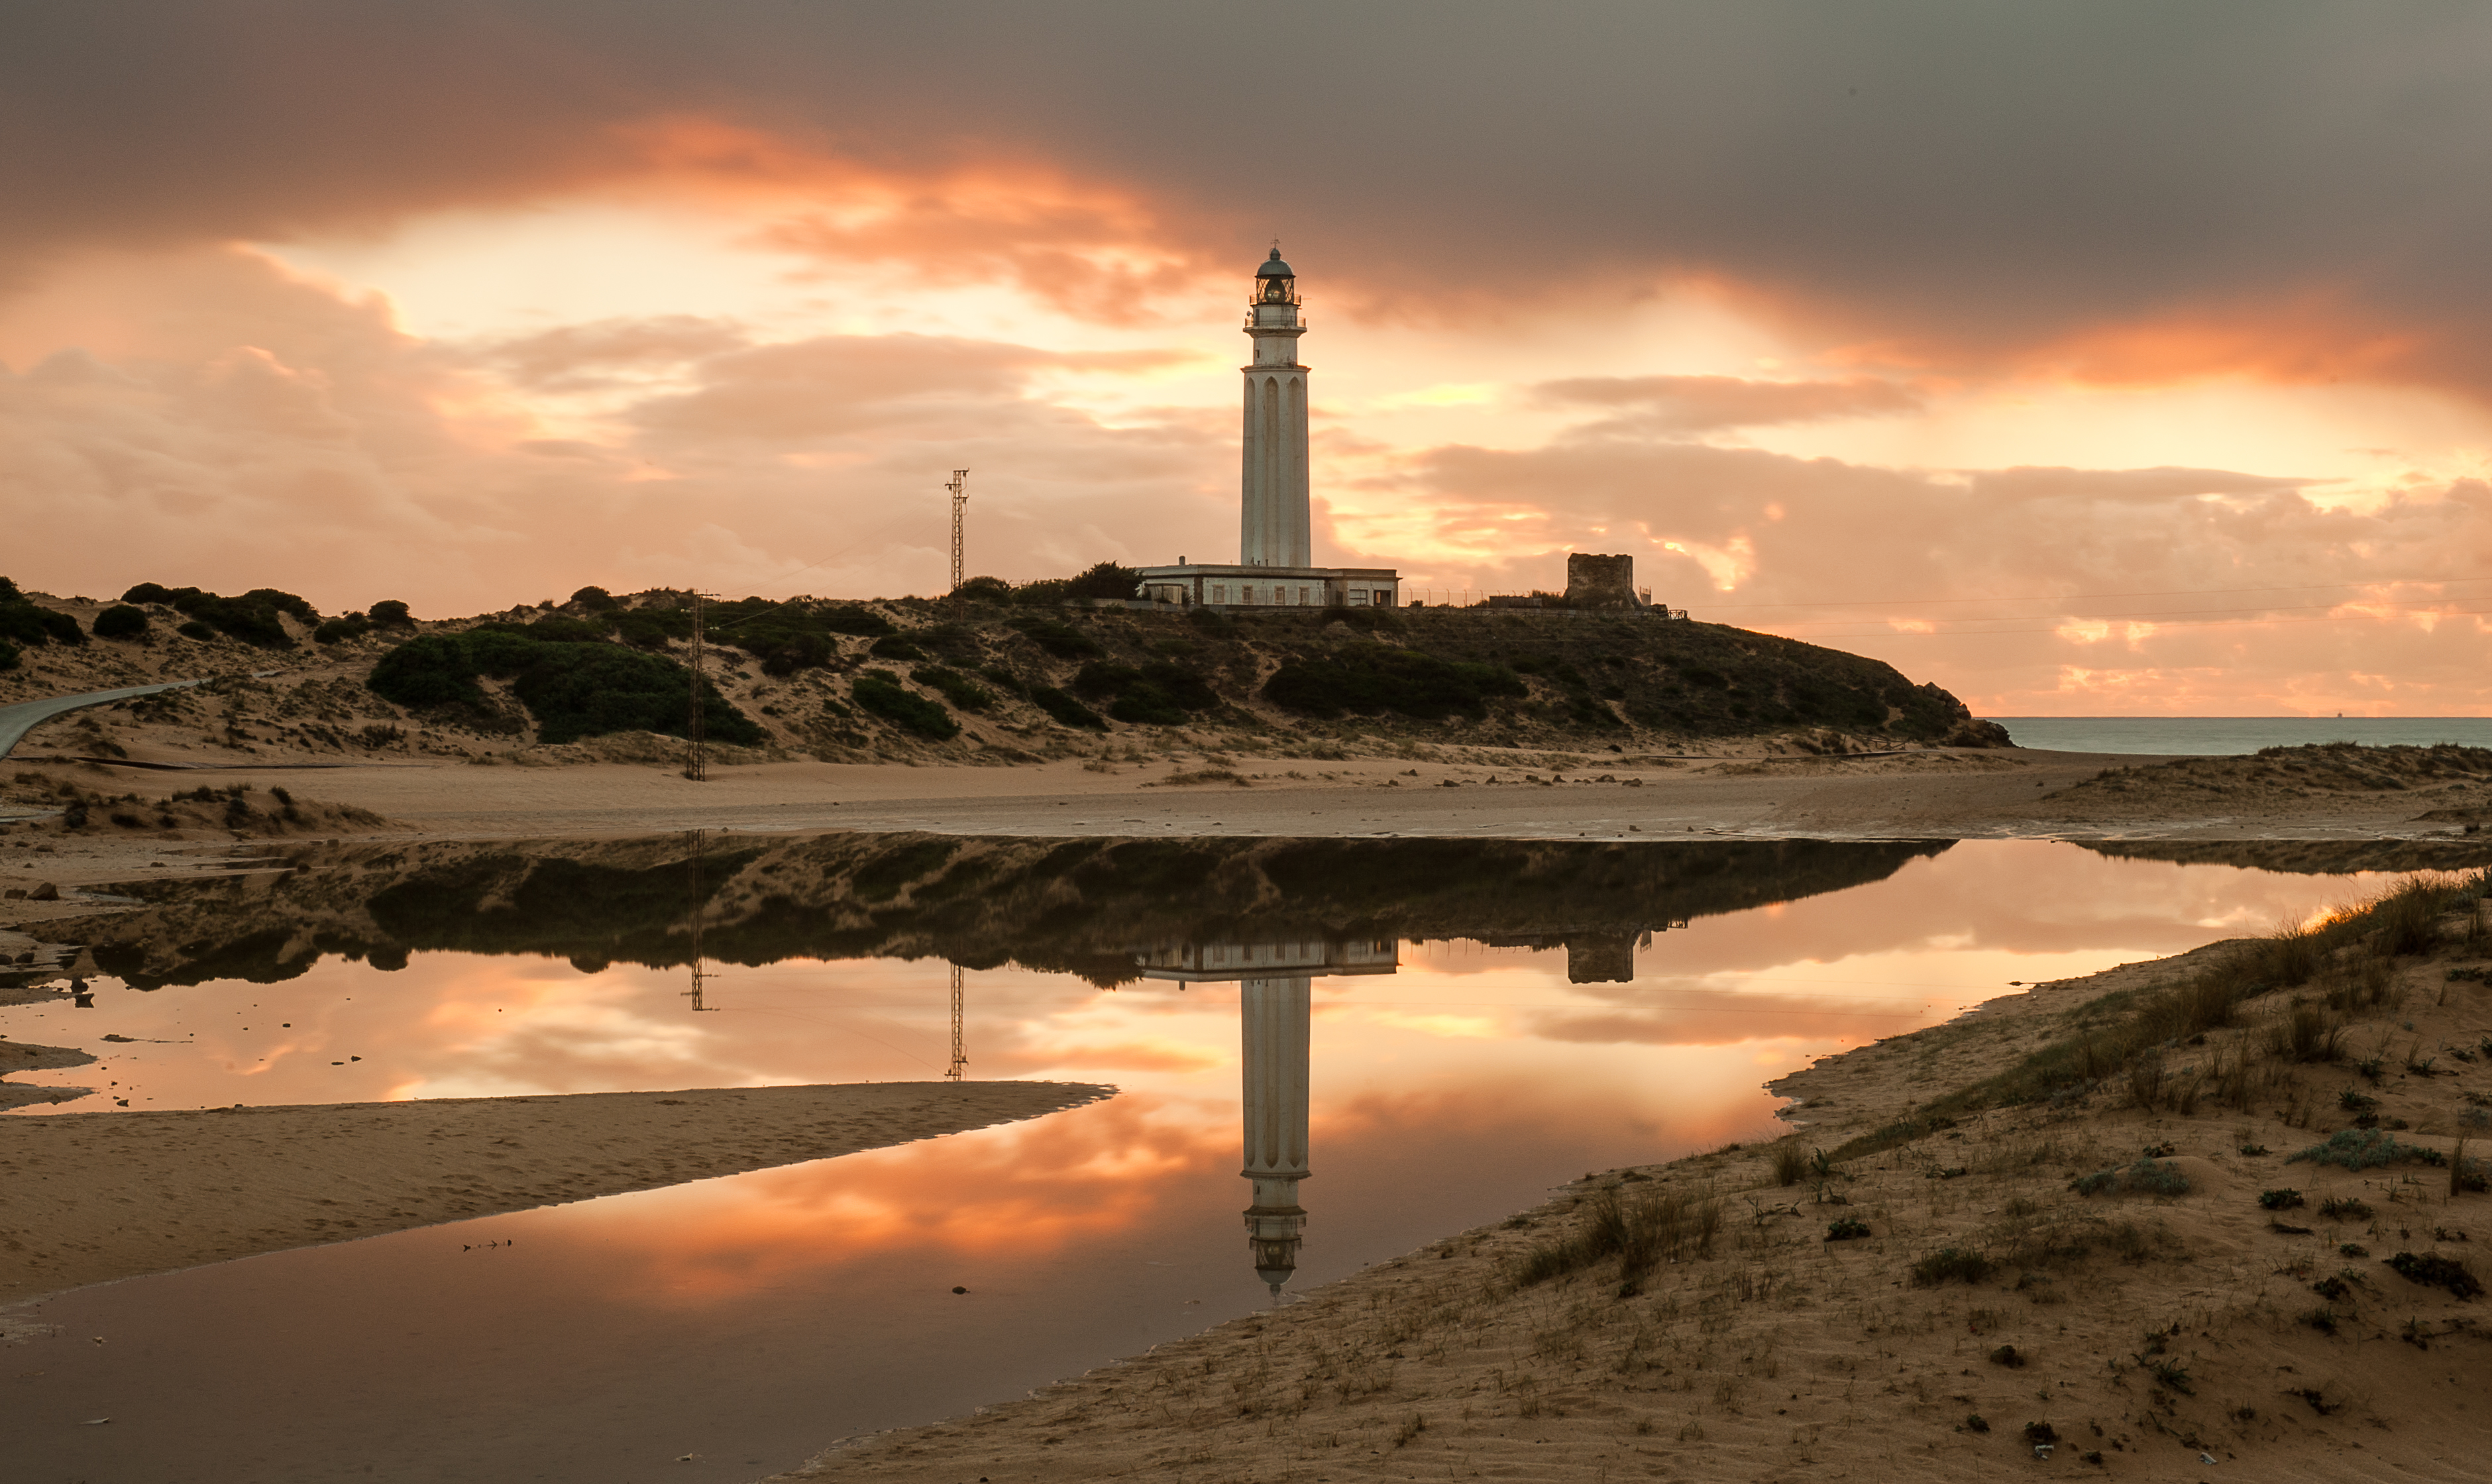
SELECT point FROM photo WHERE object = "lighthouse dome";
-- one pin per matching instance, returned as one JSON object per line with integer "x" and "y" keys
{"x": 1274, "y": 268}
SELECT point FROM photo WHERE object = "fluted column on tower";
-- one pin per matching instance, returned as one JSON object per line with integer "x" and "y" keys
{"x": 1273, "y": 1016}
{"x": 1274, "y": 529}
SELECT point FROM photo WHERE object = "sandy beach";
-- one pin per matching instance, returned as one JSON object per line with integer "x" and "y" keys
{"x": 1764, "y": 1350}
{"x": 1935, "y": 793}
{"x": 96, "y": 1197}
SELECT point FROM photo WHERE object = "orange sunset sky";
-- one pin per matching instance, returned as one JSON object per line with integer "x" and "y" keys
{"x": 2113, "y": 359}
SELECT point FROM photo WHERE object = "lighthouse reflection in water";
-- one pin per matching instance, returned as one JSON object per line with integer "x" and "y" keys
{"x": 1274, "y": 980}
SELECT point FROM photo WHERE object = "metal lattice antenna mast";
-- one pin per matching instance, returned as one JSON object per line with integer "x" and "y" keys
{"x": 959, "y": 1060}
{"x": 699, "y": 910}
{"x": 695, "y": 740}
{"x": 959, "y": 487}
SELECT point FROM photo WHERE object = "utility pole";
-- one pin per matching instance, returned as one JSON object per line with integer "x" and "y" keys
{"x": 959, "y": 1060}
{"x": 695, "y": 740}
{"x": 959, "y": 487}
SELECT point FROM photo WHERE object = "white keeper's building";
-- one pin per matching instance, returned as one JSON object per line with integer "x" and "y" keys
{"x": 1275, "y": 557}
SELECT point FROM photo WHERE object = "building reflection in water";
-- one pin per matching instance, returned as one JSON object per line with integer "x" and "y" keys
{"x": 1274, "y": 980}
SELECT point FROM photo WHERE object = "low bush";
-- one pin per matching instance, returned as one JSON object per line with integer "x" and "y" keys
{"x": 1370, "y": 679}
{"x": 338, "y": 630}
{"x": 1952, "y": 1265}
{"x": 2432, "y": 1270}
{"x": 957, "y": 688}
{"x": 1641, "y": 1231}
{"x": 26, "y": 622}
{"x": 2279, "y": 1200}
{"x": 1065, "y": 709}
{"x": 253, "y": 617}
{"x": 122, "y": 621}
{"x": 1058, "y": 638}
{"x": 2345, "y": 1208}
{"x": 2364, "y": 1149}
{"x": 574, "y": 688}
{"x": 879, "y": 692}
{"x": 2148, "y": 1176}
{"x": 1845, "y": 1229}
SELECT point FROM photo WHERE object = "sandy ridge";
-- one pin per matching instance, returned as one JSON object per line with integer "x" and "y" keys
{"x": 94, "y": 1197}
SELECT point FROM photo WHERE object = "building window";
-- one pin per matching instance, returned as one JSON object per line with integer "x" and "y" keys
{"x": 1219, "y": 592}
{"x": 1358, "y": 597}
{"x": 1302, "y": 597}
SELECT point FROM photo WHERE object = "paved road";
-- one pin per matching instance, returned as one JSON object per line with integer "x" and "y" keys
{"x": 15, "y": 720}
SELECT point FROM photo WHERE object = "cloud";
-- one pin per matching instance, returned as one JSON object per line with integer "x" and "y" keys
{"x": 1683, "y": 406}
{"x": 242, "y": 427}
{"x": 2278, "y": 192}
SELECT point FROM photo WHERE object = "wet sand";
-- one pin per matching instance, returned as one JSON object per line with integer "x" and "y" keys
{"x": 96, "y": 1197}
{"x": 1928, "y": 794}
{"x": 2149, "y": 1336}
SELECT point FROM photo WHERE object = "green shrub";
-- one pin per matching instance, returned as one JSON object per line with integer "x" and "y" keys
{"x": 7, "y": 655}
{"x": 253, "y": 617}
{"x": 957, "y": 688}
{"x": 2279, "y": 1200}
{"x": 574, "y": 688}
{"x": 881, "y": 691}
{"x": 1951, "y": 1264}
{"x": 1065, "y": 709}
{"x": 1372, "y": 678}
{"x": 597, "y": 600}
{"x": 2433, "y": 1270}
{"x": 27, "y": 622}
{"x": 1104, "y": 579}
{"x": 2149, "y": 1176}
{"x": 2360, "y": 1148}
{"x": 338, "y": 630}
{"x": 121, "y": 621}
{"x": 1845, "y": 1229}
{"x": 390, "y": 613}
{"x": 2345, "y": 1208}
{"x": 1058, "y": 639}
{"x": 1159, "y": 693}
{"x": 895, "y": 646}
{"x": 195, "y": 628}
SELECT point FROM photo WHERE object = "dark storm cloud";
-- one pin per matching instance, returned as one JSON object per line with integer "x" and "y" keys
{"x": 1944, "y": 181}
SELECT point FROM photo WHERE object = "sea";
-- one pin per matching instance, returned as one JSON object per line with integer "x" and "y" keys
{"x": 2230, "y": 735}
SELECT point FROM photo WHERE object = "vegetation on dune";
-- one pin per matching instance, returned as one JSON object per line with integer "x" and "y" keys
{"x": 122, "y": 621}
{"x": 25, "y": 623}
{"x": 1372, "y": 678}
{"x": 253, "y": 617}
{"x": 573, "y": 683}
{"x": 881, "y": 691}
{"x": 2123, "y": 1037}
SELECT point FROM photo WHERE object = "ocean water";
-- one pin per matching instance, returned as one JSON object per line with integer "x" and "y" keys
{"x": 2229, "y": 735}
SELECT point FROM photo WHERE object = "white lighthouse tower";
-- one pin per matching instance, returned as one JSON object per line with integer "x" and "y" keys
{"x": 1275, "y": 538}
{"x": 1272, "y": 507}
{"x": 1272, "y": 1016}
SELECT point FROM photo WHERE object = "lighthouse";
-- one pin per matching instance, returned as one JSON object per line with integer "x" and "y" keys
{"x": 1275, "y": 530}
{"x": 1272, "y": 525}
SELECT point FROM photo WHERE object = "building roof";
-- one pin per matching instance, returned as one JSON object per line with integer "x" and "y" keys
{"x": 1274, "y": 268}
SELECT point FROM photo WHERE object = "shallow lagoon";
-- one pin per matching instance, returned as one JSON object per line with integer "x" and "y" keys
{"x": 1608, "y": 1004}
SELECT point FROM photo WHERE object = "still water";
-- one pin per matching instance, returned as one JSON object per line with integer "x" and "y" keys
{"x": 2237, "y": 735}
{"x": 1405, "y": 1038}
